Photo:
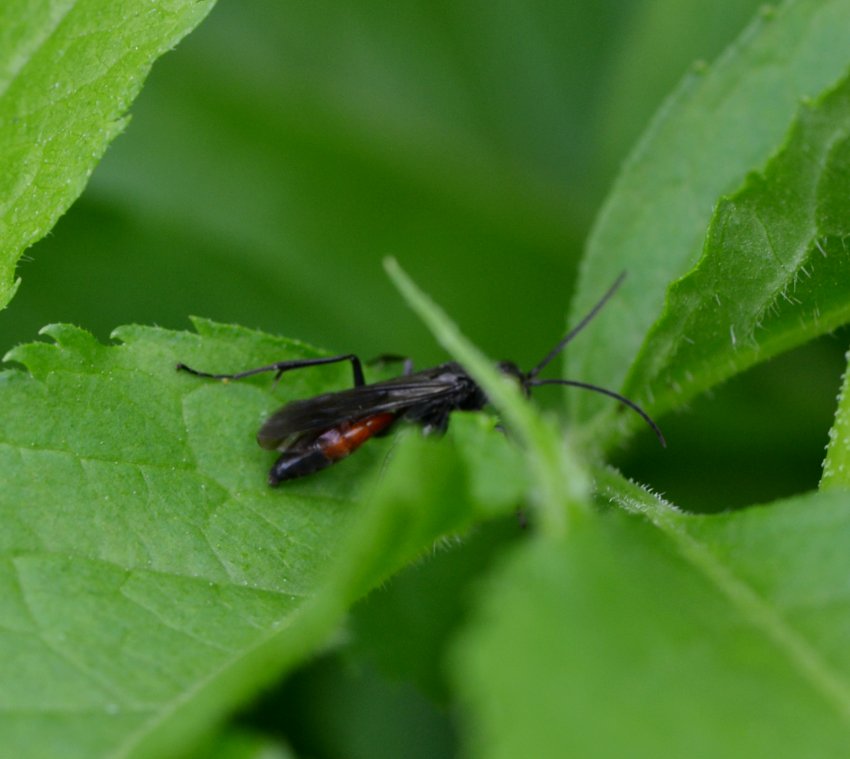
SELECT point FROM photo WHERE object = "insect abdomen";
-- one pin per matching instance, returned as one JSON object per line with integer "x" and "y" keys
{"x": 328, "y": 448}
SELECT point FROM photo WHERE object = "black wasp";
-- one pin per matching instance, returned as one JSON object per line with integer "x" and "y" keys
{"x": 314, "y": 433}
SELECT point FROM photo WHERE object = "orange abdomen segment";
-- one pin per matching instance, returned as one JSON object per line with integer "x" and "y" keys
{"x": 343, "y": 440}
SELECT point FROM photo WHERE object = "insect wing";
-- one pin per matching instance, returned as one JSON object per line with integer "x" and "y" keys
{"x": 331, "y": 409}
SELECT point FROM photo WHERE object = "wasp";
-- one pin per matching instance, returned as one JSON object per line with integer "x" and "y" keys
{"x": 314, "y": 433}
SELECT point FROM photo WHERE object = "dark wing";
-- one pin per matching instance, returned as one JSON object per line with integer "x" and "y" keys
{"x": 323, "y": 412}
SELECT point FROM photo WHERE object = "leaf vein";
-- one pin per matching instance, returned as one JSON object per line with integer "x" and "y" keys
{"x": 798, "y": 650}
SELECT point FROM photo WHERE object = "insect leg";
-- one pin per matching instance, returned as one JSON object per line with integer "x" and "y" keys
{"x": 284, "y": 366}
{"x": 434, "y": 422}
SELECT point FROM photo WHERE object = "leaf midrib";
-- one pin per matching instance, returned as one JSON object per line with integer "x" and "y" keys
{"x": 801, "y": 655}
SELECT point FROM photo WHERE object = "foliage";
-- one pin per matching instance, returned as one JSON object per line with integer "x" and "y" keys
{"x": 68, "y": 72}
{"x": 154, "y": 586}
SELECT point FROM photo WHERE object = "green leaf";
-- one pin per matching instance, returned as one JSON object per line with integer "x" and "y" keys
{"x": 667, "y": 636}
{"x": 153, "y": 581}
{"x": 722, "y": 122}
{"x": 68, "y": 73}
{"x": 836, "y": 466}
{"x": 774, "y": 273}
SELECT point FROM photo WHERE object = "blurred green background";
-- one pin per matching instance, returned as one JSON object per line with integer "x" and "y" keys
{"x": 285, "y": 148}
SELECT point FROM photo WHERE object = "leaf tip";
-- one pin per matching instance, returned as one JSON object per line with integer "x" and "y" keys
{"x": 68, "y": 335}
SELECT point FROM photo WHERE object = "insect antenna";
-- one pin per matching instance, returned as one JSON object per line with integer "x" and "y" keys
{"x": 611, "y": 394}
{"x": 528, "y": 379}
{"x": 575, "y": 330}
